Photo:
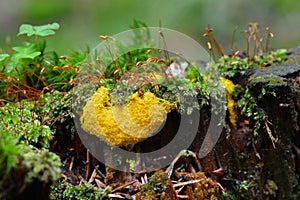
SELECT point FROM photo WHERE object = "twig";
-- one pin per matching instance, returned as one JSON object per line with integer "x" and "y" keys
{"x": 88, "y": 161}
{"x": 169, "y": 170}
{"x": 185, "y": 153}
{"x": 115, "y": 196}
{"x": 81, "y": 178}
{"x": 273, "y": 139}
{"x": 255, "y": 150}
{"x": 233, "y": 38}
{"x": 92, "y": 178}
{"x": 144, "y": 179}
{"x": 123, "y": 186}
{"x": 186, "y": 183}
{"x": 71, "y": 164}
{"x": 100, "y": 184}
{"x": 99, "y": 172}
{"x": 179, "y": 190}
{"x": 183, "y": 196}
{"x": 221, "y": 186}
{"x": 166, "y": 54}
{"x": 297, "y": 149}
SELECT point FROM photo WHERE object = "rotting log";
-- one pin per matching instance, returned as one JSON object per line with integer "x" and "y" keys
{"x": 265, "y": 161}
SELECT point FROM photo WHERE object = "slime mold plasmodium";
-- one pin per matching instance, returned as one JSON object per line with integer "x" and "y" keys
{"x": 228, "y": 84}
{"x": 127, "y": 124}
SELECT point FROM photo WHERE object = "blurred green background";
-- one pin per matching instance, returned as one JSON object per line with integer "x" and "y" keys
{"x": 82, "y": 21}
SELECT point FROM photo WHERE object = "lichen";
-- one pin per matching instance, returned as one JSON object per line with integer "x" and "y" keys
{"x": 124, "y": 125}
{"x": 230, "y": 87}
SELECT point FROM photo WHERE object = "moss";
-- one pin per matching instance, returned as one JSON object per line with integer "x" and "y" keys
{"x": 26, "y": 169}
{"x": 65, "y": 190}
{"x": 22, "y": 119}
{"x": 161, "y": 187}
{"x": 269, "y": 79}
{"x": 270, "y": 188}
{"x": 158, "y": 187}
{"x": 205, "y": 189}
{"x": 124, "y": 125}
{"x": 230, "y": 87}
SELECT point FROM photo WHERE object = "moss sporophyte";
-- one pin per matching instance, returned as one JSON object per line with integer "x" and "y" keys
{"x": 128, "y": 124}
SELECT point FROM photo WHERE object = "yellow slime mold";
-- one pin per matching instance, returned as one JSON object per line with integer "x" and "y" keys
{"x": 128, "y": 124}
{"x": 230, "y": 101}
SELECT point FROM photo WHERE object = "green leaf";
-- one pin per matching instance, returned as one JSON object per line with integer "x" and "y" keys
{"x": 43, "y": 30}
{"x": 3, "y": 56}
{"x": 26, "y": 29}
{"x": 24, "y": 52}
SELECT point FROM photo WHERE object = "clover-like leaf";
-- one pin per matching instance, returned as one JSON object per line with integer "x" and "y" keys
{"x": 43, "y": 30}
{"x": 26, "y": 29}
{"x": 23, "y": 52}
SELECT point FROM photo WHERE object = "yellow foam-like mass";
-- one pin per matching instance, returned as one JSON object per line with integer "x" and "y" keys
{"x": 128, "y": 124}
{"x": 230, "y": 101}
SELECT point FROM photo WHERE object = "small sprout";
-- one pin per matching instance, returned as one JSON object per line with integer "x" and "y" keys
{"x": 72, "y": 82}
{"x": 55, "y": 68}
{"x": 62, "y": 57}
{"x": 253, "y": 26}
{"x": 212, "y": 40}
{"x": 149, "y": 51}
{"x": 234, "y": 63}
{"x": 161, "y": 33}
{"x": 269, "y": 35}
{"x": 10, "y": 78}
{"x": 149, "y": 60}
{"x": 209, "y": 46}
{"x": 42, "y": 71}
{"x": 66, "y": 68}
{"x": 160, "y": 61}
{"x": 106, "y": 37}
{"x": 236, "y": 53}
{"x": 116, "y": 72}
{"x": 139, "y": 63}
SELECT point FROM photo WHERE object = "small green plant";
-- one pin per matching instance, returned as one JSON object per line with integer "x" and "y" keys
{"x": 21, "y": 164}
{"x": 9, "y": 151}
{"x": 30, "y": 70}
{"x": 54, "y": 107}
{"x": 238, "y": 64}
{"x": 65, "y": 190}
{"x": 145, "y": 70}
{"x": 41, "y": 164}
{"x": 30, "y": 56}
{"x": 240, "y": 191}
{"x": 20, "y": 119}
{"x": 42, "y": 31}
{"x": 158, "y": 187}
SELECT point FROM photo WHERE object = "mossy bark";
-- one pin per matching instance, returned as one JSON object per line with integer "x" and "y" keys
{"x": 270, "y": 168}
